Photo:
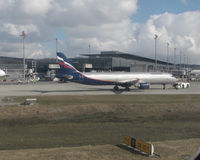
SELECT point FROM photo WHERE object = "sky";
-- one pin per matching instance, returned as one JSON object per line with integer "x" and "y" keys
{"x": 122, "y": 25}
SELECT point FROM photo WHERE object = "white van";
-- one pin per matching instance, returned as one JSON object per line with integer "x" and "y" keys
{"x": 181, "y": 85}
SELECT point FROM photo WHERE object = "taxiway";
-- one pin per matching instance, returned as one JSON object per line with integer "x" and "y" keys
{"x": 52, "y": 88}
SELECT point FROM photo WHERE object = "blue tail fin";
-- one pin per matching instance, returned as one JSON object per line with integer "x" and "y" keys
{"x": 65, "y": 67}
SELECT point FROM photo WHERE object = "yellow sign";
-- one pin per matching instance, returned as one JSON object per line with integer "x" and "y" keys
{"x": 127, "y": 140}
{"x": 139, "y": 145}
{"x": 142, "y": 146}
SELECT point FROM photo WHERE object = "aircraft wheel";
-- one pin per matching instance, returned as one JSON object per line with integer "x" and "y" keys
{"x": 116, "y": 88}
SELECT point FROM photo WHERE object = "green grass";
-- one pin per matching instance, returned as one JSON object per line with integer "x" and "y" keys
{"x": 113, "y": 99}
{"x": 66, "y": 121}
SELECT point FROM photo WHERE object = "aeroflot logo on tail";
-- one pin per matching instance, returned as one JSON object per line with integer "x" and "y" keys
{"x": 65, "y": 64}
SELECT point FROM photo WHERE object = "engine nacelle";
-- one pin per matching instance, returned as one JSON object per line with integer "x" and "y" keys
{"x": 144, "y": 85}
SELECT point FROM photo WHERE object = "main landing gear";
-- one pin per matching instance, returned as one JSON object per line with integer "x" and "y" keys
{"x": 116, "y": 88}
{"x": 127, "y": 89}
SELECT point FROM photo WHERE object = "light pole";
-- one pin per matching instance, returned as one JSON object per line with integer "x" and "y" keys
{"x": 167, "y": 57}
{"x": 180, "y": 59}
{"x": 56, "y": 45}
{"x": 89, "y": 49}
{"x": 184, "y": 57}
{"x": 156, "y": 36}
{"x": 175, "y": 58}
{"x": 24, "y": 36}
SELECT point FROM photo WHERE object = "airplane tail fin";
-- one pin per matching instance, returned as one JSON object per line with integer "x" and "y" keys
{"x": 65, "y": 66}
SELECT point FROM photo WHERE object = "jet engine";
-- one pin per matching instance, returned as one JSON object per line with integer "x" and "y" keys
{"x": 144, "y": 85}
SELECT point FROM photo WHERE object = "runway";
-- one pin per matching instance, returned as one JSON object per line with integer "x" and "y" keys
{"x": 54, "y": 88}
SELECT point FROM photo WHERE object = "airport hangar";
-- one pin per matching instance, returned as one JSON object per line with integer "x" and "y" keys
{"x": 105, "y": 61}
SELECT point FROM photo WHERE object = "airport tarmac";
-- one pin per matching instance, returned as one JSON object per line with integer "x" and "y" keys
{"x": 54, "y": 88}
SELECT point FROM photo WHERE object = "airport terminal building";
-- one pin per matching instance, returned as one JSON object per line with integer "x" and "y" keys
{"x": 118, "y": 61}
{"x": 105, "y": 61}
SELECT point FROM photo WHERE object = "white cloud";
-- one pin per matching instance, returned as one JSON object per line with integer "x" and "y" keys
{"x": 32, "y": 50}
{"x": 36, "y": 7}
{"x": 16, "y": 30}
{"x": 100, "y": 23}
{"x": 105, "y": 25}
{"x": 180, "y": 30}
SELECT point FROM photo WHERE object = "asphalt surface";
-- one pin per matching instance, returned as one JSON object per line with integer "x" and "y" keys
{"x": 54, "y": 88}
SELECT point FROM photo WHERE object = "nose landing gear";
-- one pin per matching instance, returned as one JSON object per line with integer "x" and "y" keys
{"x": 164, "y": 87}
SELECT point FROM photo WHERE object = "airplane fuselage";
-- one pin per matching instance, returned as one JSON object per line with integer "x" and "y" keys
{"x": 116, "y": 78}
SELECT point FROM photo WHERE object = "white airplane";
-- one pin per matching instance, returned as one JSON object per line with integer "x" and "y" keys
{"x": 2, "y": 73}
{"x": 124, "y": 79}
